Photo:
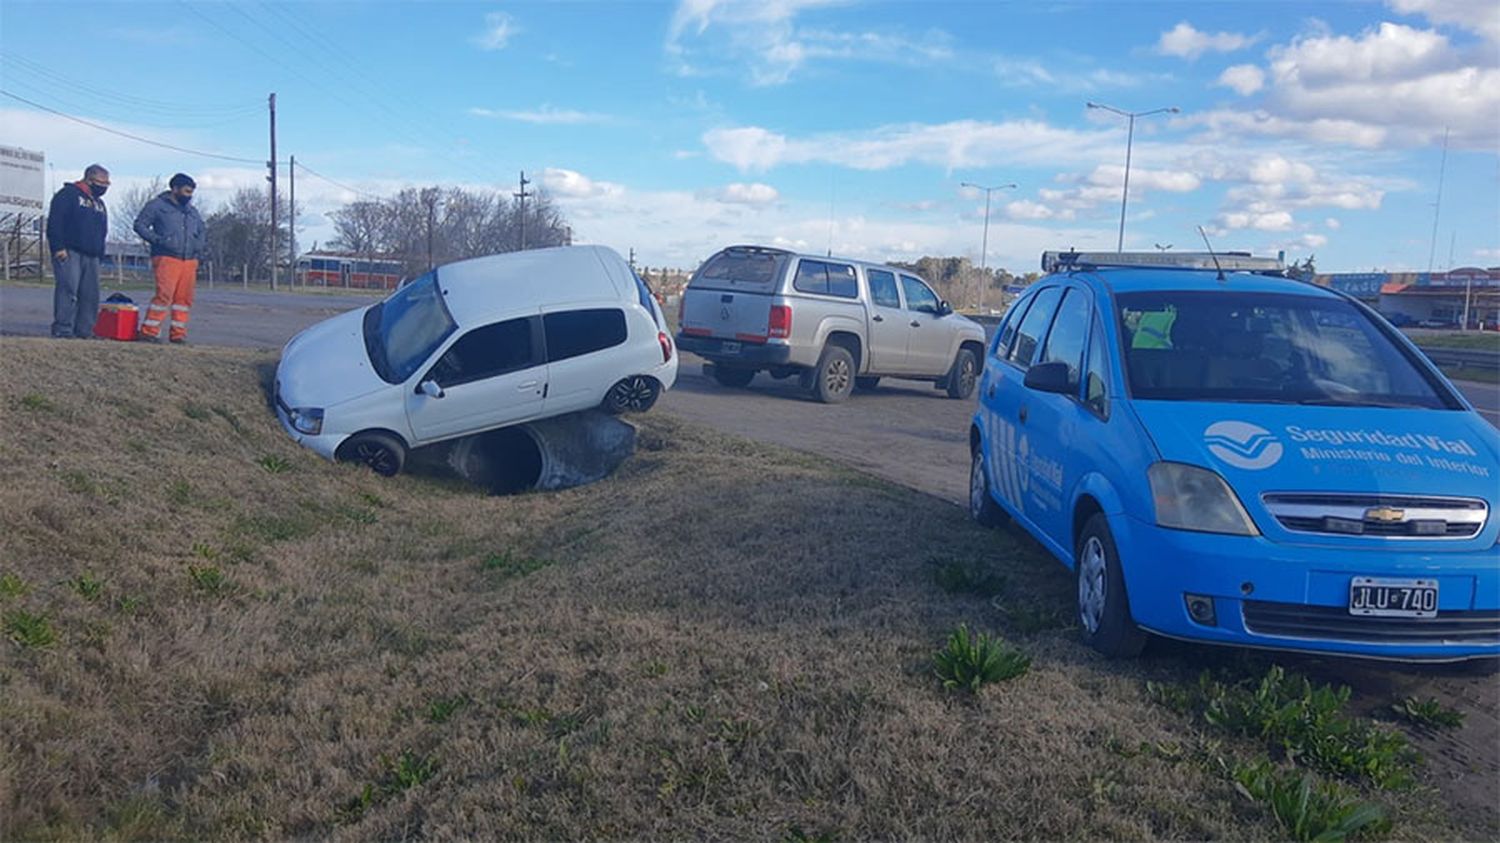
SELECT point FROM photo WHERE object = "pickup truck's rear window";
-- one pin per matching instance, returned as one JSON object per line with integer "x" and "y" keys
{"x": 827, "y": 279}
{"x": 747, "y": 270}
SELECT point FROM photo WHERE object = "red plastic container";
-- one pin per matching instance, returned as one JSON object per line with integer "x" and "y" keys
{"x": 117, "y": 322}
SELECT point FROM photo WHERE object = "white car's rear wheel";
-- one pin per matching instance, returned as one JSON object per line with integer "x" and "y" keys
{"x": 635, "y": 394}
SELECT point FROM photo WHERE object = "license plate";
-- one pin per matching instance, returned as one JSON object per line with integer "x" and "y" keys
{"x": 730, "y": 348}
{"x": 1393, "y": 598}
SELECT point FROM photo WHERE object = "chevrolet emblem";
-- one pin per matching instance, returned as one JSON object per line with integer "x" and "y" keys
{"x": 1385, "y": 514}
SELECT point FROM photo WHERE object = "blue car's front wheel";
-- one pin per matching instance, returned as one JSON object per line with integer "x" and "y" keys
{"x": 1103, "y": 606}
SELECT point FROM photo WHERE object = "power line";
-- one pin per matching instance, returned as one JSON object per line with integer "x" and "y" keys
{"x": 42, "y": 73}
{"x": 315, "y": 174}
{"x": 137, "y": 138}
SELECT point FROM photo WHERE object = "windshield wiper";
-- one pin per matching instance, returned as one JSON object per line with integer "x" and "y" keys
{"x": 1339, "y": 402}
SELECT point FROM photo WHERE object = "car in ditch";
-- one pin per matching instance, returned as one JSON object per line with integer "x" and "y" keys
{"x": 474, "y": 346}
{"x": 836, "y": 324}
{"x": 1235, "y": 457}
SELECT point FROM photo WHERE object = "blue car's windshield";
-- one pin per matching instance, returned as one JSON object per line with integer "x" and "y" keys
{"x": 1268, "y": 348}
{"x": 403, "y": 331}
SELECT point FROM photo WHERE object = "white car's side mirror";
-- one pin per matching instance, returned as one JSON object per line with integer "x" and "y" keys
{"x": 430, "y": 389}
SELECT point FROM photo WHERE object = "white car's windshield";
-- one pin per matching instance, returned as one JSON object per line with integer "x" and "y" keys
{"x": 403, "y": 331}
{"x": 1266, "y": 348}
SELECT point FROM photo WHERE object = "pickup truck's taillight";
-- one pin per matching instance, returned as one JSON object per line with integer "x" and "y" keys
{"x": 666, "y": 346}
{"x": 780, "y": 326}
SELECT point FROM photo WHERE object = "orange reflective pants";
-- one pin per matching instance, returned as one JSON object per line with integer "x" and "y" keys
{"x": 175, "y": 280}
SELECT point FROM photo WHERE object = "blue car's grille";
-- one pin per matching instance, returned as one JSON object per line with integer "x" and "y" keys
{"x": 1334, "y": 623}
{"x": 1378, "y": 516}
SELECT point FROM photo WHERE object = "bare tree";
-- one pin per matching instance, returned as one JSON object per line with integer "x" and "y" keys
{"x": 124, "y": 210}
{"x": 435, "y": 225}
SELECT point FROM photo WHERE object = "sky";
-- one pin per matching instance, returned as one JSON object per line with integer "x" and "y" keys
{"x": 675, "y": 129}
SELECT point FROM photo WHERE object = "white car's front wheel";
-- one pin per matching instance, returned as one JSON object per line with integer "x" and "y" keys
{"x": 382, "y": 452}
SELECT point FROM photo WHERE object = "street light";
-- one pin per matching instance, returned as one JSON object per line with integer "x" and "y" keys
{"x": 1129, "y": 138}
{"x": 984, "y": 247}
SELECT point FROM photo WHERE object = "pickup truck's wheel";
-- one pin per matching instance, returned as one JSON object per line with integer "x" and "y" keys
{"x": 833, "y": 379}
{"x": 382, "y": 452}
{"x": 866, "y": 384}
{"x": 732, "y": 377}
{"x": 982, "y": 506}
{"x": 963, "y": 375}
{"x": 1103, "y": 606}
{"x": 635, "y": 394}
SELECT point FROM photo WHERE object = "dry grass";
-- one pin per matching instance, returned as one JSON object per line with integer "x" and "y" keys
{"x": 723, "y": 640}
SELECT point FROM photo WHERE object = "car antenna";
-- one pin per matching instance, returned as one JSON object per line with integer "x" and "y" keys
{"x": 1211, "y": 252}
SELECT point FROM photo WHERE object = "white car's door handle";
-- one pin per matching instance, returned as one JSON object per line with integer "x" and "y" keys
{"x": 527, "y": 385}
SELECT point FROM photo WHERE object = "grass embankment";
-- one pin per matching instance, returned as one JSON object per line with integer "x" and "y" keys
{"x": 1478, "y": 340}
{"x": 211, "y": 633}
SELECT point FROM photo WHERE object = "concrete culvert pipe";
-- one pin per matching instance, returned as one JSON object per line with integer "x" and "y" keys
{"x": 558, "y": 453}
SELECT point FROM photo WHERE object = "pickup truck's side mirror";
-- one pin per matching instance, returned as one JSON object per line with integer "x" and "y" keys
{"x": 430, "y": 389}
{"x": 1049, "y": 377}
{"x": 944, "y": 308}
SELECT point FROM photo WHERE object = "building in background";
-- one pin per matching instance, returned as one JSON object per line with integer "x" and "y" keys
{"x": 1420, "y": 299}
{"x": 23, "y": 196}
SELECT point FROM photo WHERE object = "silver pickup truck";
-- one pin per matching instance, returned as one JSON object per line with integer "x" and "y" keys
{"x": 837, "y": 324}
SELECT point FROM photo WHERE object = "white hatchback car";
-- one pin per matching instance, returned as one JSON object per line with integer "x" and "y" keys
{"x": 474, "y": 346}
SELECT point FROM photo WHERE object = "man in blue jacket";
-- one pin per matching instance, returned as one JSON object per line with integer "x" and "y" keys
{"x": 76, "y": 225}
{"x": 175, "y": 231}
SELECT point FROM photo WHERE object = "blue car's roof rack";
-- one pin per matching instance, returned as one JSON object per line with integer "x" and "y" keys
{"x": 1072, "y": 261}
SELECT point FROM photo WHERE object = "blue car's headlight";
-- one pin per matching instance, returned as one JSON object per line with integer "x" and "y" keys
{"x": 1191, "y": 498}
{"x": 307, "y": 420}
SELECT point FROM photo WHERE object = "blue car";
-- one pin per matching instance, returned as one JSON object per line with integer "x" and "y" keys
{"x": 1239, "y": 458}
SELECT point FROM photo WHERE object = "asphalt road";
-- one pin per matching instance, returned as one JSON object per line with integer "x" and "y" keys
{"x": 905, "y": 431}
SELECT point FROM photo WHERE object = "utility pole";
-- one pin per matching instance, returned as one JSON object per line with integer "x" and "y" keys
{"x": 984, "y": 243}
{"x": 522, "y": 196}
{"x": 1437, "y": 207}
{"x": 430, "y": 199}
{"x": 291, "y": 202}
{"x": 632, "y": 259}
{"x": 271, "y": 165}
{"x": 1129, "y": 141}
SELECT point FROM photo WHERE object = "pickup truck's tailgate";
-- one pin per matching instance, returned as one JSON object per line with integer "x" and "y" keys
{"x": 726, "y": 315}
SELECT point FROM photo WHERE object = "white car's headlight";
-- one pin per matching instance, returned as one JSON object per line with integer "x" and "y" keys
{"x": 1191, "y": 498}
{"x": 307, "y": 420}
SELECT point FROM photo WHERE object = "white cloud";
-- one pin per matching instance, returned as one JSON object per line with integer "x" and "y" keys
{"x": 499, "y": 28}
{"x": 955, "y": 145}
{"x": 1142, "y": 179}
{"x": 571, "y": 184}
{"x": 1487, "y": 254}
{"x": 1025, "y": 209}
{"x": 1478, "y": 16}
{"x": 1258, "y": 220}
{"x": 1332, "y": 224}
{"x": 1029, "y": 73}
{"x": 1185, "y": 41}
{"x": 741, "y": 194}
{"x": 1237, "y": 126}
{"x": 1244, "y": 79}
{"x": 546, "y": 116}
{"x": 764, "y": 37}
{"x": 1405, "y": 83}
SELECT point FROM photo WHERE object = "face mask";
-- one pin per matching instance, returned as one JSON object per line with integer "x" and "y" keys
{"x": 184, "y": 201}
{"x": 98, "y": 189}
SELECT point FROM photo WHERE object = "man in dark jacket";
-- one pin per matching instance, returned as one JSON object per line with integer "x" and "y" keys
{"x": 175, "y": 231}
{"x": 76, "y": 225}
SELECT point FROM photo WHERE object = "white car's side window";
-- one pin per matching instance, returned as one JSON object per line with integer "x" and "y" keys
{"x": 486, "y": 352}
